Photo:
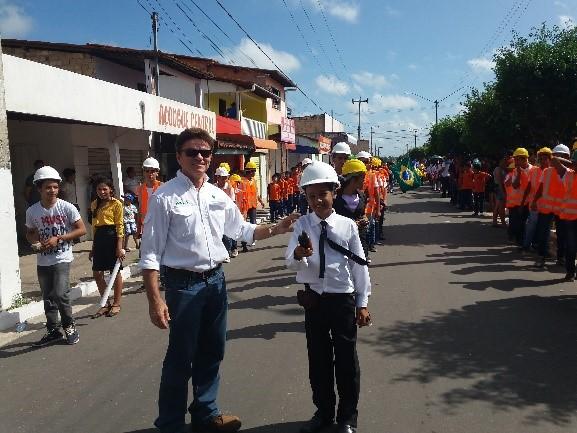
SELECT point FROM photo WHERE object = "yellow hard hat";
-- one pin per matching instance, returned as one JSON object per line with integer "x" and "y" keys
{"x": 545, "y": 150}
{"x": 521, "y": 151}
{"x": 575, "y": 145}
{"x": 353, "y": 166}
{"x": 250, "y": 166}
{"x": 376, "y": 162}
{"x": 225, "y": 165}
{"x": 235, "y": 178}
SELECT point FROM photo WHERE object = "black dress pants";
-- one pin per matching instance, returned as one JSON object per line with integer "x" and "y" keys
{"x": 331, "y": 332}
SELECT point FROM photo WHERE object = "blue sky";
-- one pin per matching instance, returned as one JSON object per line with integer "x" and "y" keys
{"x": 387, "y": 50}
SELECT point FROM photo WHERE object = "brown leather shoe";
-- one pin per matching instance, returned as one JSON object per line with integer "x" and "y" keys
{"x": 218, "y": 424}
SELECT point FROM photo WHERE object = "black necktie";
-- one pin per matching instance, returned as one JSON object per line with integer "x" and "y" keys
{"x": 322, "y": 240}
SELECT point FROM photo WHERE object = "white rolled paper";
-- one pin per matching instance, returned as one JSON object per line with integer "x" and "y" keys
{"x": 104, "y": 298}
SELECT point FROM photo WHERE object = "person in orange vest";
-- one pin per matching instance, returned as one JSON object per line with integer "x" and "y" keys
{"x": 479, "y": 185}
{"x": 519, "y": 181}
{"x": 568, "y": 213}
{"x": 283, "y": 193}
{"x": 250, "y": 187}
{"x": 295, "y": 178}
{"x": 274, "y": 197}
{"x": 466, "y": 192}
{"x": 288, "y": 193}
{"x": 548, "y": 201}
{"x": 151, "y": 169}
{"x": 535, "y": 173}
{"x": 221, "y": 180}
{"x": 371, "y": 188}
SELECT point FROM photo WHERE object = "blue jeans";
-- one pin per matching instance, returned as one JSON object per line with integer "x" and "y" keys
{"x": 196, "y": 343}
{"x": 530, "y": 229}
{"x": 371, "y": 232}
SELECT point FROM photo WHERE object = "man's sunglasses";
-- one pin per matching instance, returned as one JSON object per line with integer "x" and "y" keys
{"x": 191, "y": 153}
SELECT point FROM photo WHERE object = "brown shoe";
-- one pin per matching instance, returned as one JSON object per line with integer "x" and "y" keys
{"x": 220, "y": 423}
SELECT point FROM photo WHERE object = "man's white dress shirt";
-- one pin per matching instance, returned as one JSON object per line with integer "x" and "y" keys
{"x": 184, "y": 225}
{"x": 342, "y": 275}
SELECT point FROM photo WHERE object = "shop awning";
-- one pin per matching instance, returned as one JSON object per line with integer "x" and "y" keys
{"x": 265, "y": 144}
{"x": 289, "y": 146}
{"x": 306, "y": 150}
{"x": 234, "y": 144}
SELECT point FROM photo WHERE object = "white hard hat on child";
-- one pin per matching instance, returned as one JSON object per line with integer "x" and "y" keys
{"x": 307, "y": 161}
{"x": 46, "y": 172}
{"x": 561, "y": 148}
{"x": 221, "y": 171}
{"x": 319, "y": 172}
{"x": 364, "y": 155}
{"x": 341, "y": 147}
{"x": 151, "y": 163}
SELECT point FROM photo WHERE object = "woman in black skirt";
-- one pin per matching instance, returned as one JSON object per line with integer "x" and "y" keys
{"x": 351, "y": 201}
{"x": 108, "y": 229}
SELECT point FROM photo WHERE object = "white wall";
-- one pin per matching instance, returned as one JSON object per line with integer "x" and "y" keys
{"x": 115, "y": 73}
{"x": 178, "y": 89}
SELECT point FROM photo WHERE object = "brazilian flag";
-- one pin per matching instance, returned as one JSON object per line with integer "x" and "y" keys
{"x": 407, "y": 178}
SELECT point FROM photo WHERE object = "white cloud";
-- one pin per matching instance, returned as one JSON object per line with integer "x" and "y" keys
{"x": 481, "y": 64}
{"x": 14, "y": 22}
{"x": 369, "y": 79}
{"x": 391, "y": 11}
{"x": 412, "y": 67}
{"x": 566, "y": 22}
{"x": 345, "y": 10}
{"x": 286, "y": 61}
{"x": 393, "y": 102}
{"x": 560, "y": 4}
{"x": 331, "y": 84}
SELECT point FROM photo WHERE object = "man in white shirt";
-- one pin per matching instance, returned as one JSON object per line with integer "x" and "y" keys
{"x": 182, "y": 239}
{"x": 335, "y": 300}
{"x": 51, "y": 226}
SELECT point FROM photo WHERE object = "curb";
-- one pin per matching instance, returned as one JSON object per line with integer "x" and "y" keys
{"x": 9, "y": 319}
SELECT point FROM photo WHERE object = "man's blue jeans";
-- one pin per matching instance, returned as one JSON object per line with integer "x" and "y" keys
{"x": 196, "y": 343}
{"x": 530, "y": 229}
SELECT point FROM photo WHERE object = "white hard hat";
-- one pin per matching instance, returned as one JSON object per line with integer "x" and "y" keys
{"x": 221, "y": 171}
{"x": 364, "y": 155}
{"x": 46, "y": 172}
{"x": 307, "y": 161}
{"x": 319, "y": 172}
{"x": 561, "y": 148}
{"x": 150, "y": 162}
{"x": 341, "y": 147}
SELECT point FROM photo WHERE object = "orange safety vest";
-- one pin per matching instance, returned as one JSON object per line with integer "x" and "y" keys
{"x": 274, "y": 192}
{"x": 535, "y": 173}
{"x": 551, "y": 200}
{"x": 240, "y": 197}
{"x": 569, "y": 206}
{"x": 251, "y": 192}
{"x": 143, "y": 199}
{"x": 515, "y": 195}
{"x": 371, "y": 189}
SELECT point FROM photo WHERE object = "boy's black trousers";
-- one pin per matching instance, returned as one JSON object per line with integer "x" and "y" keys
{"x": 331, "y": 332}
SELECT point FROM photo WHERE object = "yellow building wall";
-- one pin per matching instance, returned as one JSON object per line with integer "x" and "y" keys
{"x": 253, "y": 108}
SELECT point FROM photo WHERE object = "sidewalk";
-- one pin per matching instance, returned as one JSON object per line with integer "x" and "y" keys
{"x": 80, "y": 271}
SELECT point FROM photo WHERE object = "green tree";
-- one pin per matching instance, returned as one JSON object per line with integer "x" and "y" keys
{"x": 445, "y": 136}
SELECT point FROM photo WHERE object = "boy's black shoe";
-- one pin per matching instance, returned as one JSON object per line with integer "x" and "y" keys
{"x": 51, "y": 336}
{"x": 560, "y": 262}
{"x": 72, "y": 336}
{"x": 316, "y": 424}
{"x": 569, "y": 277}
{"x": 345, "y": 428}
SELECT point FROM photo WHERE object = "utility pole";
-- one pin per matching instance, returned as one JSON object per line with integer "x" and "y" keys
{"x": 332, "y": 121}
{"x": 436, "y": 102}
{"x": 155, "y": 47}
{"x": 415, "y": 131}
{"x": 360, "y": 101}
{"x": 372, "y": 132}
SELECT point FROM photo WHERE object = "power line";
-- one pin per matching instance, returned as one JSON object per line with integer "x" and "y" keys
{"x": 321, "y": 8}
{"x": 222, "y": 31}
{"x": 264, "y": 52}
{"x": 302, "y": 35}
{"x": 318, "y": 40}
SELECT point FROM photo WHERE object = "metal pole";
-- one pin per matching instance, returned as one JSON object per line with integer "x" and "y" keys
{"x": 436, "y": 111}
{"x": 332, "y": 122}
{"x": 155, "y": 48}
{"x": 371, "y": 144}
{"x": 415, "y": 138}
{"x": 360, "y": 101}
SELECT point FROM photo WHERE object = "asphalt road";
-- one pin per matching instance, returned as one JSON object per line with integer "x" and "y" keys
{"x": 467, "y": 337}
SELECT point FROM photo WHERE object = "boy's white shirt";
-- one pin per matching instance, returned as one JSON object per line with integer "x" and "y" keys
{"x": 342, "y": 275}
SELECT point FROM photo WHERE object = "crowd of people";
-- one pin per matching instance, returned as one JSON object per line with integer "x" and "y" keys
{"x": 528, "y": 194}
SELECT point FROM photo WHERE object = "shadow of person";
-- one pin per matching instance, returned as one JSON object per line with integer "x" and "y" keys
{"x": 262, "y": 302}
{"x": 516, "y": 353}
{"x": 266, "y": 331}
{"x": 284, "y": 427}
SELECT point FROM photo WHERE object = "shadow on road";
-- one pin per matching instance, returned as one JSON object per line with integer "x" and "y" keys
{"x": 284, "y": 427}
{"x": 266, "y": 331}
{"x": 279, "y": 282}
{"x": 512, "y": 353}
{"x": 448, "y": 235}
{"x": 262, "y": 302}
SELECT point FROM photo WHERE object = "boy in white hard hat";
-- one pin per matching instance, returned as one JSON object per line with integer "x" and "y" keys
{"x": 150, "y": 169}
{"x": 51, "y": 226}
{"x": 339, "y": 154}
{"x": 330, "y": 262}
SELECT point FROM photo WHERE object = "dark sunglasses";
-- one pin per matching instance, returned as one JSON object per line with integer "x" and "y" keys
{"x": 191, "y": 153}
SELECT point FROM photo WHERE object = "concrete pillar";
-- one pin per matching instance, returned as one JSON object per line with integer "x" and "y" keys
{"x": 82, "y": 191}
{"x": 116, "y": 168}
{"x": 9, "y": 263}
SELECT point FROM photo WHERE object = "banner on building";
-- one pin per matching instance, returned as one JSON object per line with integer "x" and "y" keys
{"x": 287, "y": 130}
{"x": 324, "y": 145}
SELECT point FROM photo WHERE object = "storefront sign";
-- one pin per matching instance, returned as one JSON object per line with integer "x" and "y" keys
{"x": 287, "y": 130}
{"x": 324, "y": 145}
{"x": 183, "y": 118}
